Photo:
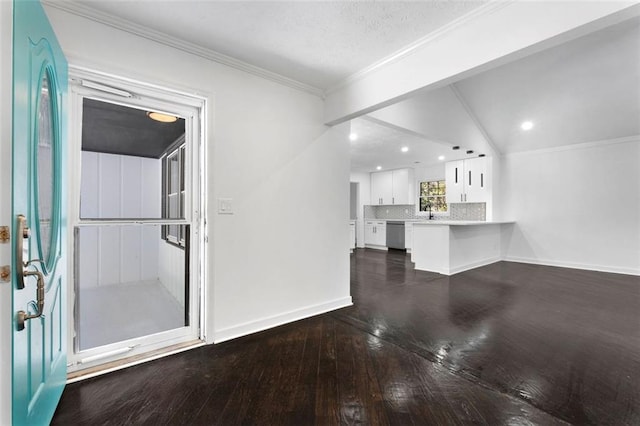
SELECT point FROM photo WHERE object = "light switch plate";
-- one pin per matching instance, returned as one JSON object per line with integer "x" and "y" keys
{"x": 225, "y": 206}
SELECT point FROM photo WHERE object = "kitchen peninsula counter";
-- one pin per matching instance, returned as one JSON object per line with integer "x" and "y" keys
{"x": 451, "y": 246}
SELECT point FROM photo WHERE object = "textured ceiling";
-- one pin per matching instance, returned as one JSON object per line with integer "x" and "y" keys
{"x": 583, "y": 91}
{"x": 315, "y": 42}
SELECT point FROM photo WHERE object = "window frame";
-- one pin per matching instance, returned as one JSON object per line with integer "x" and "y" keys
{"x": 177, "y": 148}
{"x": 443, "y": 196}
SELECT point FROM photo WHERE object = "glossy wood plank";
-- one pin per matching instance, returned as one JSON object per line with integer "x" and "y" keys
{"x": 503, "y": 344}
{"x": 566, "y": 341}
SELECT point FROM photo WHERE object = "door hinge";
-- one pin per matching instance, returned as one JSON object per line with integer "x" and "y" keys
{"x": 5, "y": 274}
{"x": 5, "y": 234}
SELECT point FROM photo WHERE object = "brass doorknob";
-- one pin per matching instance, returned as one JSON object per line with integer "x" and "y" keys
{"x": 23, "y": 272}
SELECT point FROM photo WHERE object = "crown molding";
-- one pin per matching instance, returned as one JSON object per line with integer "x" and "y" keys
{"x": 486, "y": 9}
{"x": 176, "y": 43}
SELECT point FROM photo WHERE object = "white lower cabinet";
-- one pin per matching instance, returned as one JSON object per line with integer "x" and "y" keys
{"x": 375, "y": 233}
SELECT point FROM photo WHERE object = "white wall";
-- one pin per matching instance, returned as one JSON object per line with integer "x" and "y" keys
{"x": 283, "y": 254}
{"x": 119, "y": 186}
{"x": 6, "y": 21}
{"x": 364, "y": 198}
{"x": 577, "y": 207}
{"x": 171, "y": 270}
{"x": 432, "y": 172}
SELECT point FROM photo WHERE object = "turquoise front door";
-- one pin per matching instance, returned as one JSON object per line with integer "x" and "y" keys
{"x": 38, "y": 208}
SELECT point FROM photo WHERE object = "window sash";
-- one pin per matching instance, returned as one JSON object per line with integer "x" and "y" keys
{"x": 173, "y": 194}
{"x": 433, "y": 193}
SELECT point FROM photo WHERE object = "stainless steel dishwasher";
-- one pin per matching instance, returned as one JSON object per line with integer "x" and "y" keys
{"x": 395, "y": 235}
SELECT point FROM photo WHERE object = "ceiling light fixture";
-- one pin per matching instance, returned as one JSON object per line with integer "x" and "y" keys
{"x": 441, "y": 158}
{"x": 353, "y": 136}
{"x": 379, "y": 168}
{"x": 526, "y": 125}
{"x": 163, "y": 118}
{"x": 404, "y": 149}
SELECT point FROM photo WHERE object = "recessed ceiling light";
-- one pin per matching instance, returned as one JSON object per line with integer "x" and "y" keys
{"x": 353, "y": 136}
{"x": 526, "y": 125}
{"x": 404, "y": 149}
{"x": 379, "y": 168}
{"x": 163, "y": 118}
{"x": 441, "y": 157}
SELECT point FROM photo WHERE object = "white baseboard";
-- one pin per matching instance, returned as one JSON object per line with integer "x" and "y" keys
{"x": 280, "y": 319}
{"x": 371, "y": 246}
{"x": 473, "y": 265}
{"x": 587, "y": 267}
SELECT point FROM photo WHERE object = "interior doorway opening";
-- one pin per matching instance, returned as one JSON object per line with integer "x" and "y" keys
{"x": 136, "y": 221}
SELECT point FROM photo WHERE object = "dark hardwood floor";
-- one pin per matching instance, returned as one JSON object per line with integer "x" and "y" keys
{"x": 506, "y": 344}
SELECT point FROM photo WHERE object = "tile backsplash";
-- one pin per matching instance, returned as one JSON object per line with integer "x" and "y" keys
{"x": 457, "y": 211}
{"x": 468, "y": 211}
{"x": 399, "y": 211}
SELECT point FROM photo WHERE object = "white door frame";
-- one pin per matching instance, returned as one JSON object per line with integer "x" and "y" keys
{"x": 109, "y": 88}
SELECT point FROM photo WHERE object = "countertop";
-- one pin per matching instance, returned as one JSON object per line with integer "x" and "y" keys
{"x": 461, "y": 222}
{"x": 443, "y": 222}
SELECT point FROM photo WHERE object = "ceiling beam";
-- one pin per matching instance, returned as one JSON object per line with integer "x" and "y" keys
{"x": 503, "y": 34}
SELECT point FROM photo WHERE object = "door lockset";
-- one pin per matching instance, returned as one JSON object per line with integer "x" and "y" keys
{"x": 22, "y": 272}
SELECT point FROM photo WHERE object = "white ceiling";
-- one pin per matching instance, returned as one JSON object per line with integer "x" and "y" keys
{"x": 586, "y": 90}
{"x": 318, "y": 43}
{"x": 583, "y": 91}
{"x": 379, "y": 144}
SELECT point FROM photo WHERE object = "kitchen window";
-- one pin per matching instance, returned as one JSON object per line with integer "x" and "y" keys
{"x": 433, "y": 194}
{"x": 173, "y": 192}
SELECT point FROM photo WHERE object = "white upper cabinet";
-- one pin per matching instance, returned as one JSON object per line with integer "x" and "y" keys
{"x": 476, "y": 180}
{"x": 392, "y": 187}
{"x": 402, "y": 184}
{"x": 468, "y": 180}
{"x": 381, "y": 187}
{"x": 454, "y": 177}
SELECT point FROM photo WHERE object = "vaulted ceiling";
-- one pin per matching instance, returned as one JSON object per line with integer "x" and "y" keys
{"x": 585, "y": 90}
